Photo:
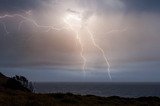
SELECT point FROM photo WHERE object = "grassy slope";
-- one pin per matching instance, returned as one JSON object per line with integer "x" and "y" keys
{"x": 17, "y": 98}
{"x": 10, "y": 97}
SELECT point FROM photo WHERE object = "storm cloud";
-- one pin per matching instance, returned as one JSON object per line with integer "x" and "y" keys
{"x": 130, "y": 51}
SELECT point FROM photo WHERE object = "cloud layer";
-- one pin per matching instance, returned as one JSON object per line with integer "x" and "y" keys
{"x": 132, "y": 49}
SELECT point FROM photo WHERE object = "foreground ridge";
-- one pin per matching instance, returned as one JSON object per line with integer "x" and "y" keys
{"x": 23, "y": 97}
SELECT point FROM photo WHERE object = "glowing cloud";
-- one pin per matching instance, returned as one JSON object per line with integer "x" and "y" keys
{"x": 75, "y": 20}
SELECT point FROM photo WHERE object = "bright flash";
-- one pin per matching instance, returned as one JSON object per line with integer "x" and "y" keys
{"x": 73, "y": 20}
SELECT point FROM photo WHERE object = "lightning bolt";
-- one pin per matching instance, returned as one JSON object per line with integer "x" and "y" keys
{"x": 94, "y": 43}
{"x": 26, "y": 19}
{"x": 81, "y": 45}
{"x": 69, "y": 26}
{"x": 48, "y": 27}
{"x": 83, "y": 57}
{"x": 101, "y": 50}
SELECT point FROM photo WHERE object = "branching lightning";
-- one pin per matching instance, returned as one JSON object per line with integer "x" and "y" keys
{"x": 73, "y": 26}
{"x": 26, "y": 19}
{"x": 76, "y": 17}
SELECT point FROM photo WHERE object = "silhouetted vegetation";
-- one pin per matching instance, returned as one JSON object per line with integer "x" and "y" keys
{"x": 16, "y": 94}
{"x": 15, "y": 83}
{"x": 24, "y": 82}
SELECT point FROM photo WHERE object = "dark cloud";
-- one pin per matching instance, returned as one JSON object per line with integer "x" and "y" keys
{"x": 17, "y": 5}
{"x": 142, "y": 5}
{"x": 131, "y": 5}
{"x": 72, "y": 11}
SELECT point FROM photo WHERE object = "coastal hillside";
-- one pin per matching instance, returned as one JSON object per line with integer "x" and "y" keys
{"x": 14, "y": 93}
{"x": 12, "y": 84}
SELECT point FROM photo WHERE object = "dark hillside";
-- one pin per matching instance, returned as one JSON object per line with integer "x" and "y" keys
{"x": 13, "y": 93}
{"x": 7, "y": 83}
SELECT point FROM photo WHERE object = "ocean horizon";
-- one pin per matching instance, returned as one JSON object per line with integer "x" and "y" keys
{"x": 105, "y": 89}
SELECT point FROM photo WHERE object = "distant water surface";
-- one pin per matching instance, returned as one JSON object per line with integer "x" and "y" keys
{"x": 101, "y": 89}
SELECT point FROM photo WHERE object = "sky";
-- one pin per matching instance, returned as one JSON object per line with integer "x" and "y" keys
{"x": 127, "y": 31}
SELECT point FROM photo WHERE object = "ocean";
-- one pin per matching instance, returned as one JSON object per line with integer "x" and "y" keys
{"x": 101, "y": 89}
